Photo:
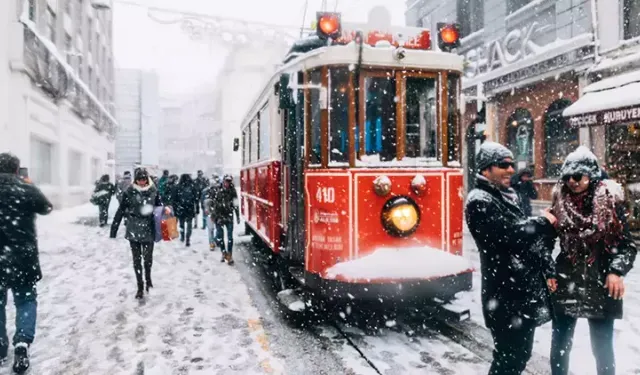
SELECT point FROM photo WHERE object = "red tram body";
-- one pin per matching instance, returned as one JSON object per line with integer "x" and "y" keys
{"x": 351, "y": 172}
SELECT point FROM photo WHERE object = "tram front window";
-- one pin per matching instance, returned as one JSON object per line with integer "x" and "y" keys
{"x": 421, "y": 118}
{"x": 380, "y": 118}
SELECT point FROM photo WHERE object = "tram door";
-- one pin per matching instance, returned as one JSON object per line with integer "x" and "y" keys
{"x": 293, "y": 170}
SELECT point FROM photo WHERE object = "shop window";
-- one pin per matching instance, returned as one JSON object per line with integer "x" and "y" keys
{"x": 514, "y": 5}
{"x": 453, "y": 129}
{"x": 380, "y": 118}
{"x": 51, "y": 24}
{"x": 315, "y": 153}
{"x": 520, "y": 137}
{"x": 75, "y": 168}
{"x": 265, "y": 134}
{"x": 560, "y": 138}
{"x": 339, "y": 115}
{"x": 32, "y": 10}
{"x": 41, "y": 162}
{"x": 421, "y": 118}
{"x": 470, "y": 16}
{"x": 623, "y": 165}
{"x": 95, "y": 169}
{"x": 631, "y": 19}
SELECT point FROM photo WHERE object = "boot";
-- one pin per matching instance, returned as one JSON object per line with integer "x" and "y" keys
{"x": 149, "y": 283}
{"x": 181, "y": 236}
{"x": 212, "y": 246}
{"x": 229, "y": 258}
{"x": 224, "y": 257}
{"x": 140, "y": 293}
{"x": 21, "y": 358}
{"x": 188, "y": 244}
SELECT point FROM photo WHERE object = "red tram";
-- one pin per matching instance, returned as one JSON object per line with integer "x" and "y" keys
{"x": 351, "y": 164}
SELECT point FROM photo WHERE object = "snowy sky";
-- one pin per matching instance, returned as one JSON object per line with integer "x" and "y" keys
{"x": 183, "y": 64}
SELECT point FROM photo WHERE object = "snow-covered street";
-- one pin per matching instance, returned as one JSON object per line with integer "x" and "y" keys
{"x": 204, "y": 317}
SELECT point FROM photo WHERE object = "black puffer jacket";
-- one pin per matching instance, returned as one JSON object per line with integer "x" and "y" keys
{"x": 19, "y": 204}
{"x": 102, "y": 193}
{"x": 225, "y": 204}
{"x": 515, "y": 255}
{"x": 186, "y": 198}
{"x": 585, "y": 261}
{"x": 137, "y": 205}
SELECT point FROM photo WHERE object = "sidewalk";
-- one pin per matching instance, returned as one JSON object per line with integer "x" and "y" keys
{"x": 198, "y": 319}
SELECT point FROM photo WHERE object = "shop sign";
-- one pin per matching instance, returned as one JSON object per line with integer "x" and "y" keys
{"x": 608, "y": 117}
{"x": 518, "y": 44}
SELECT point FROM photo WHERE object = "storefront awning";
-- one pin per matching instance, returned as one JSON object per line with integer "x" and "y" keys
{"x": 614, "y": 100}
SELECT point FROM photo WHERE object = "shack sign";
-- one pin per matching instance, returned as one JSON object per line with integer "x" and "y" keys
{"x": 609, "y": 117}
{"x": 518, "y": 44}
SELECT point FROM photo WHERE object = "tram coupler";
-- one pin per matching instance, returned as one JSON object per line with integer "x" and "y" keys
{"x": 452, "y": 311}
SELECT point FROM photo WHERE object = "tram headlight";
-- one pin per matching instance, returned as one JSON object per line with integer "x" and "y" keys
{"x": 400, "y": 216}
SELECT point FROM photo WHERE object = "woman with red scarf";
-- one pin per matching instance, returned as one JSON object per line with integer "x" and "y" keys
{"x": 597, "y": 251}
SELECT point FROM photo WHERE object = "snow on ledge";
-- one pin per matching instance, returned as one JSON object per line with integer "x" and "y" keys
{"x": 393, "y": 264}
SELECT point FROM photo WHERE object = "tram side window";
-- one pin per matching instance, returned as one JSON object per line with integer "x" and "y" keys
{"x": 265, "y": 129}
{"x": 421, "y": 118}
{"x": 253, "y": 136}
{"x": 316, "y": 143}
{"x": 453, "y": 129}
{"x": 380, "y": 118}
{"x": 339, "y": 115}
{"x": 245, "y": 148}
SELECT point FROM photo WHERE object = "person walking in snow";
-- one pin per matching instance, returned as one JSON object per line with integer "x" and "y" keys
{"x": 209, "y": 199}
{"x": 162, "y": 183}
{"x": 102, "y": 194}
{"x": 225, "y": 204}
{"x": 201, "y": 183}
{"x": 137, "y": 205}
{"x": 596, "y": 252}
{"x": 515, "y": 257}
{"x": 19, "y": 258}
{"x": 522, "y": 183}
{"x": 172, "y": 183}
{"x": 186, "y": 200}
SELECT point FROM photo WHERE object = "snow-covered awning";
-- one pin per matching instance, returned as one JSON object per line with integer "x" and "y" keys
{"x": 614, "y": 100}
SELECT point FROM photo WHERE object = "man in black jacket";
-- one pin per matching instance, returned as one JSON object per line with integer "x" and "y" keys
{"x": 19, "y": 259}
{"x": 224, "y": 206}
{"x": 201, "y": 183}
{"x": 515, "y": 256}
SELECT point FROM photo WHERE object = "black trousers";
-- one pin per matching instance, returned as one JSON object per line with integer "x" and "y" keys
{"x": 189, "y": 223}
{"x": 513, "y": 344}
{"x": 103, "y": 213}
{"x": 601, "y": 332}
{"x": 142, "y": 256}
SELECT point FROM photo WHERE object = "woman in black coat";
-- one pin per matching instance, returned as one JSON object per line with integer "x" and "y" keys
{"x": 185, "y": 199}
{"x": 597, "y": 251}
{"x": 137, "y": 205}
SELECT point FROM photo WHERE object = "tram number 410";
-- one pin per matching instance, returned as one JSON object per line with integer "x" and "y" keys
{"x": 326, "y": 195}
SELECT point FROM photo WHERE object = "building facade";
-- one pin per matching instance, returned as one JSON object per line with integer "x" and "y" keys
{"x": 525, "y": 62}
{"x": 56, "y": 103}
{"x": 139, "y": 119}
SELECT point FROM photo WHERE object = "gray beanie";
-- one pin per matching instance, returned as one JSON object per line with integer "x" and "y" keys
{"x": 583, "y": 161}
{"x": 491, "y": 153}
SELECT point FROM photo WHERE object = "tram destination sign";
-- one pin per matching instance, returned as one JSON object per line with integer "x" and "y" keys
{"x": 615, "y": 116}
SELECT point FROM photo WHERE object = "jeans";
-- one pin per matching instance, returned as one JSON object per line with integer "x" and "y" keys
{"x": 220, "y": 236}
{"x": 103, "y": 210}
{"x": 142, "y": 253}
{"x": 26, "y": 302}
{"x": 189, "y": 223}
{"x": 601, "y": 332}
{"x": 204, "y": 220}
{"x": 211, "y": 230}
{"x": 513, "y": 346}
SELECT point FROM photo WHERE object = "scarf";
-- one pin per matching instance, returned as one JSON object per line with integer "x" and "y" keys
{"x": 508, "y": 194}
{"x": 580, "y": 233}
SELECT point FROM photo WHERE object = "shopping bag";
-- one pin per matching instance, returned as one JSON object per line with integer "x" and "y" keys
{"x": 169, "y": 226}
{"x": 157, "y": 219}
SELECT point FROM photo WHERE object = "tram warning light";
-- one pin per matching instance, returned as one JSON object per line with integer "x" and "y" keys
{"x": 448, "y": 36}
{"x": 329, "y": 25}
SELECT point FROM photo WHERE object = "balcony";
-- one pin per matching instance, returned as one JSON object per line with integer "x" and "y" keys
{"x": 51, "y": 73}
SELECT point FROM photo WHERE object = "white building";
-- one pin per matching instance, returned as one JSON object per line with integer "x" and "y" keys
{"x": 138, "y": 115}
{"x": 57, "y": 92}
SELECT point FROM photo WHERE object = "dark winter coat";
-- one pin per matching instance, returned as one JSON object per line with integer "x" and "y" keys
{"x": 526, "y": 192}
{"x": 515, "y": 256}
{"x": 591, "y": 250}
{"x": 122, "y": 186}
{"x": 186, "y": 200}
{"x": 162, "y": 184}
{"x": 137, "y": 205}
{"x": 169, "y": 190}
{"x": 224, "y": 205}
{"x": 102, "y": 193}
{"x": 19, "y": 204}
